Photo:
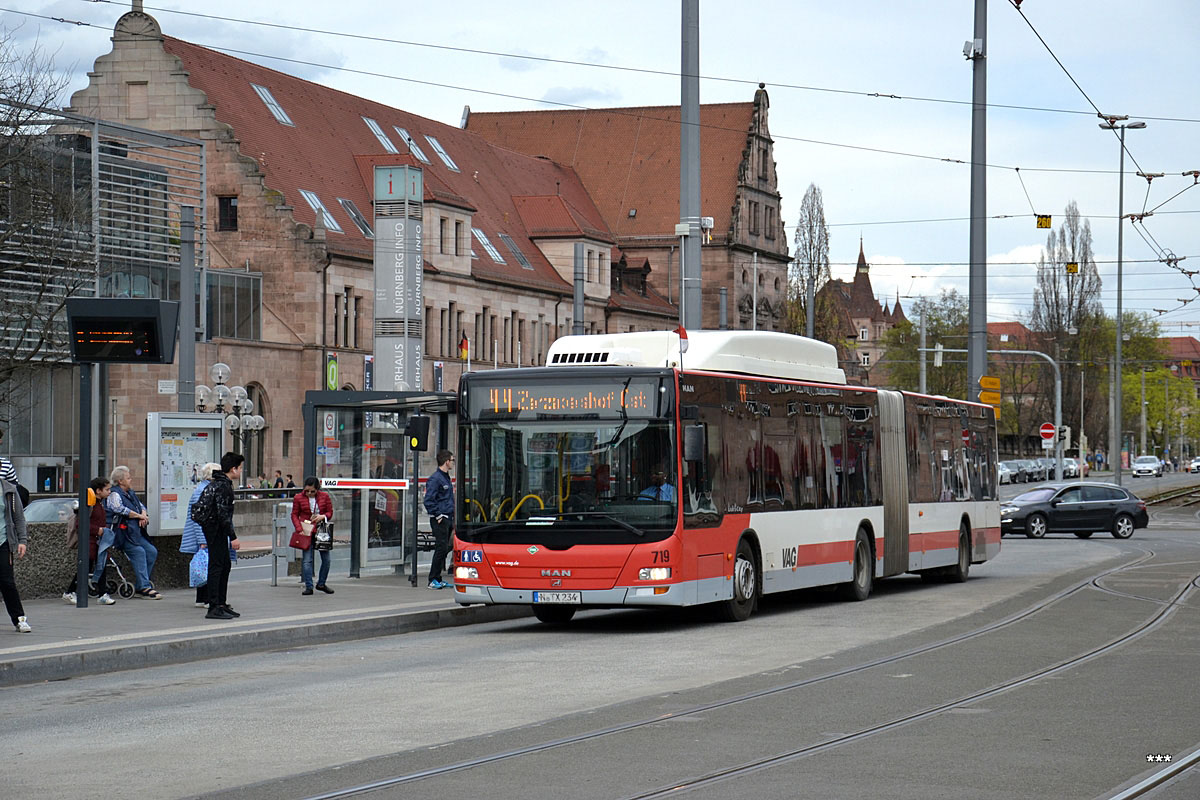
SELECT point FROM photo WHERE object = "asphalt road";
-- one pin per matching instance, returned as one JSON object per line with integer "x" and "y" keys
{"x": 298, "y": 722}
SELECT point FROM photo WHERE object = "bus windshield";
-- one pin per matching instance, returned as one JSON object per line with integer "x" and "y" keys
{"x": 604, "y": 476}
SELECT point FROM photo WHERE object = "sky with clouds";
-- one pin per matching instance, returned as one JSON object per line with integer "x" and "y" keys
{"x": 846, "y": 82}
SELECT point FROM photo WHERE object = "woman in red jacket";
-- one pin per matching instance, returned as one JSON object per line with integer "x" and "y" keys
{"x": 312, "y": 505}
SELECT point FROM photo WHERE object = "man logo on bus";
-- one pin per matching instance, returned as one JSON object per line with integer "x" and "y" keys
{"x": 556, "y": 573}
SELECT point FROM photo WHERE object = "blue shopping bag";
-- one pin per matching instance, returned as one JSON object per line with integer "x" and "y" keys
{"x": 198, "y": 570}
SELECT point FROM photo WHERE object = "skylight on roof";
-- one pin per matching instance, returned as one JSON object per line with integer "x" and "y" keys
{"x": 273, "y": 105}
{"x": 357, "y": 217}
{"x": 516, "y": 251}
{"x": 319, "y": 208}
{"x": 487, "y": 245}
{"x": 413, "y": 147}
{"x": 380, "y": 135}
{"x": 442, "y": 154}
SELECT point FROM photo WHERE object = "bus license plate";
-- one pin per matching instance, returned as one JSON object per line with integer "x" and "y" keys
{"x": 558, "y": 597}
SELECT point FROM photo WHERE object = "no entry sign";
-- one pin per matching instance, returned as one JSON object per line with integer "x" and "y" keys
{"x": 1047, "y": 430}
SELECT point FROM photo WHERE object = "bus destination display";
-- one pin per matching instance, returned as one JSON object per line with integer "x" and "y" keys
{"x": 637, "y": 399}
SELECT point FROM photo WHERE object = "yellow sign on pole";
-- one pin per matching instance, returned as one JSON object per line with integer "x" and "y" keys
{"x": 989, "y": 382}
{"x": 1043, "y": 220}
{"x": 991, "y": 398}
{"x": 1072, "y": 268}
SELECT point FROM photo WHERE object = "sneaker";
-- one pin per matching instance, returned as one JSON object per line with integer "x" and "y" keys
{"x": 307, "y": 590}
{"x": 217, "y": 613}
{"x": 435, "y": 584}
{"x": 201, "y": 604}
{"x": 69, "y": 597}
{"x": 325, "y": 589}
{"x": 105, "y": 600}
{"x": 228, "y": 609}
{"x": 23, "y": 626}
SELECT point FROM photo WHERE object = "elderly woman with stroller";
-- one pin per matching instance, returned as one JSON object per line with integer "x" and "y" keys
{"x": 123, "y": 510}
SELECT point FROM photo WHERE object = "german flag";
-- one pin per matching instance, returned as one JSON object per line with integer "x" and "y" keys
{"x": 464, "y": 348}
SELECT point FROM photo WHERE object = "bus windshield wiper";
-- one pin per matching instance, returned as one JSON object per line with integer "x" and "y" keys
{"x": 600, "y": 515}
{"x": 548, "y": 518}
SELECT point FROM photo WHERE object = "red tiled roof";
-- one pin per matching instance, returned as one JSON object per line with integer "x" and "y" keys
{"x": 551, "y": 216}
{"x": 1015, "y": 331}
{"x": 629, "y": 157}
{"x": 1181, "y": 348}
{"x": 330, "y": 146}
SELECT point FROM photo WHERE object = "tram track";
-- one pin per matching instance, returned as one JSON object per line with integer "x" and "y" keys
{"x": 1167, "y": 607}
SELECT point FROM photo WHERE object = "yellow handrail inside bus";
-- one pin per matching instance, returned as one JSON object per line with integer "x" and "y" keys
{"x": 523, "y": 499}
{"x": 482, "y": 510}
{"x": 500, "y": 510}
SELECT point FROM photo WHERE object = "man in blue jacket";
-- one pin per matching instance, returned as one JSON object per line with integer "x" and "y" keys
{"x": 439, "y": 502}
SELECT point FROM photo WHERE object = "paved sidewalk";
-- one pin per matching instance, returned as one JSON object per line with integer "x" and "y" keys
{"x": 68, "y": 642}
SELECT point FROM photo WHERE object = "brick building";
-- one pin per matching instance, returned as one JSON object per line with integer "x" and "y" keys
{"x": 289, "y": 216}
{"x": 867, "y": 320}
{"x": 628, "y": 159}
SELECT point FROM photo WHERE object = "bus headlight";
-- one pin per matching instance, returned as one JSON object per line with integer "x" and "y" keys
{"x": 654, "y": 573}
{"x": 466, "y": 573}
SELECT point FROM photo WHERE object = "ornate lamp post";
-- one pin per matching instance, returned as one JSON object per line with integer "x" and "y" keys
{"x": 235, "y": 403}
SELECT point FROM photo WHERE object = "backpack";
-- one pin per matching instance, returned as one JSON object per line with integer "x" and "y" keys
{"x": 204, "y": 510}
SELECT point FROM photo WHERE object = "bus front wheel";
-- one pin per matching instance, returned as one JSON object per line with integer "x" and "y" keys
{"x": 745, "y": 586}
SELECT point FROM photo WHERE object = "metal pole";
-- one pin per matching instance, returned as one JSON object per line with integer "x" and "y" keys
{"x": 689, "y": 160}
{"x": 577, "y": 329}
{"x": 754, "y": 302}
{"x": 1142, "y": 443}
{"x": 977, "y": 295}
{"x": 1082, "y": 455}
{"x": 414, "y": 489}
{"x": 921, "y": 376}
{"x": 187, "y": 310}
{"x": 809, "y": 300}
{"x": 1117, "y": 405}
{"x": 84, "y": 514}
{"x": 1166, "y": 401}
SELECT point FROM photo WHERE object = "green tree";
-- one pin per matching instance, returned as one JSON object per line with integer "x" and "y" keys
{"x": 945, "y": 324}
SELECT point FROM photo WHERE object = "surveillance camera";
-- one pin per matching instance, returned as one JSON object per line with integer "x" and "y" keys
{"x": 969, "y": 48}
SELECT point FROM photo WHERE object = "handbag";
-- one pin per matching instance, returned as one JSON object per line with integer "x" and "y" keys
{"x": 198, "y": 569}
{"x": 300, "y": 541}
{"x": 323, "y": 538}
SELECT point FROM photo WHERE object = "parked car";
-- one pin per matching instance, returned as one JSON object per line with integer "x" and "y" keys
{"x": 1004, "y": 472}
{"x": 52, "y": 509}
{"x": 1034, "y": 471}
{"x": 1195, "y": 465}
{"x": 1051, "y": 467}
{"x": 1078, "y": 508}
{"x": 1148, "y": 466}
{"x": 1017, "y": 469}
{"x": 1070, "y": 468}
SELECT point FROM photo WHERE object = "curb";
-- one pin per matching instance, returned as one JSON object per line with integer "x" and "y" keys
{"x": 61, "y": 666}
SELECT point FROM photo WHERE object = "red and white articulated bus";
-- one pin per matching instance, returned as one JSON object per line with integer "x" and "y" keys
{"x": 629, "y": 473}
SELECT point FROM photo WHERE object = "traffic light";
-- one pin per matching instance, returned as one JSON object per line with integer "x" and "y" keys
{"x": 1064, "y": 435}
{"x": 417, "y": 432}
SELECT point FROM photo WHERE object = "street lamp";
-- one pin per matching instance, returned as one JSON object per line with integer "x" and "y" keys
{"x": 1110, "y": 124}
{"x": 235, "y": 403}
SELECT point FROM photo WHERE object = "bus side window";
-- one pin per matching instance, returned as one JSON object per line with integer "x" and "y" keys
{"x": 700, "y": 477}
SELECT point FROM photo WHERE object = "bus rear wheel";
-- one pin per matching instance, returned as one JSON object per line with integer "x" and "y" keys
{"x": 745, "y": 586}
{"x": 554, "y": 614}
{"x": 959, "y": 572}
{"x": 864, "y": 570}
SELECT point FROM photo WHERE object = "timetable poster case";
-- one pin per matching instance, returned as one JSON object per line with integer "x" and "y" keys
{"x": 178, "y": 445}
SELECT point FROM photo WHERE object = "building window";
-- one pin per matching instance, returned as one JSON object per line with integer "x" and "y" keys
{"x": 357, "y": 317}
{"x": 234, "y": 304}
{"x": 442, "y": 154}
{"x": 356, "y": 217}
{"x": 458, "y": 237}
{"x": 287, "y": 444}
{"x": 516, "y": 251}
{"x": 273, "y": 105}
{"x": 862, "y": 334}
{"x": 227, "y": 213}
{"x": 380, "y": 135}
{"x": 318, "y": 207}
{"x": 443, "y": 234}
{"x": 769, "y": 222}
{"x": 413, "y": 147}
{"x": 753, "y": 217}
{"x": 762, "y": 163}
{"x": 864, "y": 360}
{"x": 487, "y": 245}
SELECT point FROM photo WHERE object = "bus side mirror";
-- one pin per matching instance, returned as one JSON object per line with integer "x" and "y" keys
{"x": 694, "y": 444}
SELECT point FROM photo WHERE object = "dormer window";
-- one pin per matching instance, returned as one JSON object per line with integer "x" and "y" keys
{"x": 442, "y": 154}
{"x": 318, "y": 207}
{"x": 413, "y": 147}
{"x": 516, "y": 251}
{"x": 357, "y": 217}
{"x": 487, "y": 245}
{"x": 380, "y": 135}
{"x": 273, "y": 105}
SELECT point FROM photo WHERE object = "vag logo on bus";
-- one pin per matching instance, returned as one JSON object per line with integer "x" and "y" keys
{"x": 556, "y": 573}
{"x": 789, "y": 557}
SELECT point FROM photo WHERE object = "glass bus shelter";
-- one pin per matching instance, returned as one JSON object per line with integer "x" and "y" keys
{"x": 359, "y": 437}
